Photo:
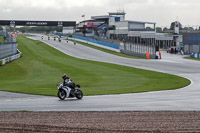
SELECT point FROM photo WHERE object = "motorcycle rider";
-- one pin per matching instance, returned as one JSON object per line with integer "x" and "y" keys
{"x": 69, "y": 83}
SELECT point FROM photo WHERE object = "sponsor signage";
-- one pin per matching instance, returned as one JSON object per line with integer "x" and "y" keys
{"x": 14, "y": 35}
{"x": 37, "y": 23}
{"x": 117, "y": 19}
{"x": 192, "y": 38}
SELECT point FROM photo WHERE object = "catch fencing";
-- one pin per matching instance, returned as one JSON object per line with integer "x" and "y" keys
{"x": 10, "y": 47}
{"x": 191, "y": 42}
{"x": 191, "y": 48}
{"x": 138, "y": 49}
{"x": 7, "y": 49}
{"x": 7, "y": 36}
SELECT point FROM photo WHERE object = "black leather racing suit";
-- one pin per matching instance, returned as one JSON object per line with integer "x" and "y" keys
{"x": 69, "y": 83}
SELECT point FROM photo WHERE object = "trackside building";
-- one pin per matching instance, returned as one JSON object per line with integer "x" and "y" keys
{"x": 191, "y": 42}
{"x": 136, "y": 37}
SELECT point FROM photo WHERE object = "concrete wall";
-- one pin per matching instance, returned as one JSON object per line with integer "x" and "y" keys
{"x": 133, "y": 26}
{"x": 7, "y": 49}
{"x": 10, "y": 58}
{"x": 98, "y": 42}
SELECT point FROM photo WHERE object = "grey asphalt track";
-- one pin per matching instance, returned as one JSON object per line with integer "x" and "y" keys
{"x": 184, "y": 99}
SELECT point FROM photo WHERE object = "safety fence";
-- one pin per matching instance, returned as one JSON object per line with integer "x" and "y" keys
{"x": 9, "y": 36}
{"x": 137, "y": 49}
{"x": 7, "y": 49}
{"x": 192, "y": 48}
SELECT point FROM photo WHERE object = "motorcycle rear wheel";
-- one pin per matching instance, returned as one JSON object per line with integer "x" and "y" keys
{"x": 61, "y": 94}
{"x": 79, "y": 94}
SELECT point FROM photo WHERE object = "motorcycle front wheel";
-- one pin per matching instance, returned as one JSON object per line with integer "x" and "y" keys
{"x": 61, "y": 94}
{"x": 79, "y": 94}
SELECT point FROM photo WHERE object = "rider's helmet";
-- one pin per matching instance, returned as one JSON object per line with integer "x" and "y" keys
{"x": 64, "y": 76}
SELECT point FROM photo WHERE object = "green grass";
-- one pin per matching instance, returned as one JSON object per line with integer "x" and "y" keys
{"x": 106, "y": 50}
{"x": 41, "y": 68}
{"x": 191, "y": 58}
{"x": 1, "y": 39}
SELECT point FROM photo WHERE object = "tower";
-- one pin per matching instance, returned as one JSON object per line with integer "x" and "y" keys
{"x": 116, "y": 17}
{"x": 176, "y": 27}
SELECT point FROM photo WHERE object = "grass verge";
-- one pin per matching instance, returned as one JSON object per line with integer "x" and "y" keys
{"x": 41, "y": 68}
{"x": 1, "y": 39}
{"x": 191, "y": 58}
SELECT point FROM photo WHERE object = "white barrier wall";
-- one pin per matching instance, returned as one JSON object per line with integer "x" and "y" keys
{"x": 10, "y": 58}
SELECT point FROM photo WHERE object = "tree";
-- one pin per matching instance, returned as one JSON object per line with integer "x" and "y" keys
{"x": 158, "y": 29}
{"x": 40, "y": 29}
{"x": 185, "y": 28}
{"x": 149, "y": 28}
{"x": 191, "y": 28}
{"x": 165, "y": 29}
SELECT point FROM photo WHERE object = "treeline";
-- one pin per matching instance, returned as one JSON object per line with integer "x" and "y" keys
{"x": 165, "y": 29}
{"x": 46, "y": 29}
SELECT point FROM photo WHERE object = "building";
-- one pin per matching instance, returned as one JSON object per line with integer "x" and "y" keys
{"x": 137, "y": 36}
{"x": 68, "y": 30}
{"x": 191, "y": 42}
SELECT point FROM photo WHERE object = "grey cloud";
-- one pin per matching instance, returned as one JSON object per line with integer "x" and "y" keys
{"x": 161, "y": 11}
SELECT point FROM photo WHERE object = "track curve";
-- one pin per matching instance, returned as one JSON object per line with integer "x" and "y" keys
{"x": 186, "y": 98}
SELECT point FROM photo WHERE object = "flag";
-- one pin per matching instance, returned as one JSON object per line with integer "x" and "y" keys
{"x": 15, "y": 35}
{"x": 12, "y": 35}
{"x": 83, "y": 15}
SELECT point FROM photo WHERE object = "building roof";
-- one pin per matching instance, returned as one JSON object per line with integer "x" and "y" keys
{"x": 103, "y": 17}
{"x": 116, "y": 13}
{"x": 91, "y": 20}
{"x": 141, "y": 22}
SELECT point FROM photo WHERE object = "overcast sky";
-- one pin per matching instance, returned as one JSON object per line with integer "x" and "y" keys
{"x": 163, "y": 12}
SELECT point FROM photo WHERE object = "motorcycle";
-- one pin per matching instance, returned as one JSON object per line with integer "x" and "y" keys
{"x": 67, "y": 92}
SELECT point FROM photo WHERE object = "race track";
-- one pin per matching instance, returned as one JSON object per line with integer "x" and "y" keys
{"x": 184, "y": 99}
